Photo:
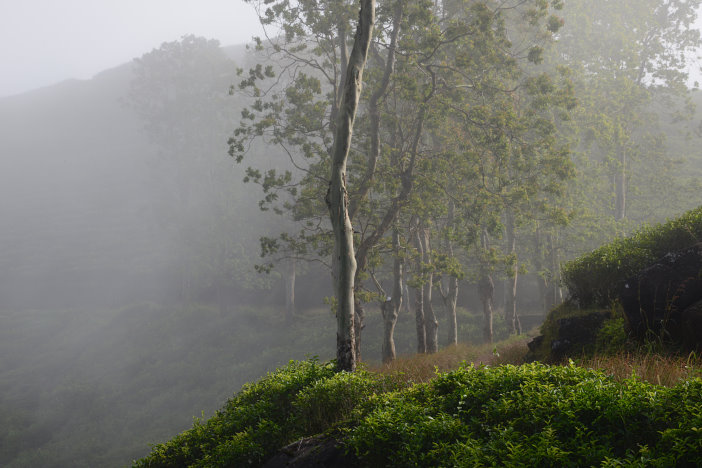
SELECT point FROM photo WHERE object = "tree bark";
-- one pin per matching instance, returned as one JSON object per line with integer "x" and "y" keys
{"x": 391, "y": 306}
{"x": 449, "y": 293}
{"x": 620, "y": 188}
{"x": 374, "y": 112}
{"x": 431, "y": 325}
{"x": 450, "y": 300}
{"x": 539, "y": 268}
{"x": 419, "y": 293}
{"x": 290, "y": 275}
{"x": 511, "y": 313}
{"x": 486, "y": 290}
{"x": 359, "y": 316}
{"x": 555, "y": 293}
{"x": 344, "y": 261}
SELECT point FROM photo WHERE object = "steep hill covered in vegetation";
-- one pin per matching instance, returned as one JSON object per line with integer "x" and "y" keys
{"x": 531, "y": 415}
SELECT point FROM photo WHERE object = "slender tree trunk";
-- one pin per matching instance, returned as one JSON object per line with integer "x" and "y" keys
{"x": 539, "y": 268}
{"x": 389, "y": 322}
{"x": 290, "y": 290}
{"x": 449, "y": 293}
{"x": 419, "y": 293}
{"x": 450, "y": 304}
{"x": 374, "y": 112}
{"x": 511, "y": 313}
{"x": 555, "y": 293}
{"x": 344, "y": 261}
{"x": 391, "y": 306}
{"x": 449, "y": 296}
{"x": 431, "y": 324}
{"x": 405, "y": 297}
{"x": 486, "y": 290}
{"x": 419, "y": 320}
{"x": 358, "y": 325}
{"x": 620, "y": 188}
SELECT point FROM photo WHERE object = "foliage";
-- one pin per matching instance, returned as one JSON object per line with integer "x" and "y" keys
{"x": 454, "y": 110}
{"x": 531, "y": 415}
{"x": 509, "y": 415}
{"x": 594, "y": 279}
{"x": 302, "y": 398}
{"x": 550, "y": 330}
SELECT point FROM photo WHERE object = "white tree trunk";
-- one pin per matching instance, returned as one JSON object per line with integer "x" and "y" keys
{"x": 344, "y": 261}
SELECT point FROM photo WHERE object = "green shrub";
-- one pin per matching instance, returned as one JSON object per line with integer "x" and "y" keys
{"x": 595, "y": 278}
{"x": 251, "y": 426}
{"x": 300, "y": 399}
{"x": 610, "y": 338}
{"x": 325, "y": 402}
{"x": 532, "y": 415}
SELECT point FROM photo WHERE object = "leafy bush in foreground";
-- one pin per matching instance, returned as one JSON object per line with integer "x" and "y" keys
{"x": 532, "y": 415}
{"x": 595, "y": 278}
{"x": 298, "y": 399}
{"x": 529, "y": 415}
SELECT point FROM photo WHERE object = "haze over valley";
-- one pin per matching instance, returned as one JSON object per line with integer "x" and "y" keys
{"x": 165, "y": 238}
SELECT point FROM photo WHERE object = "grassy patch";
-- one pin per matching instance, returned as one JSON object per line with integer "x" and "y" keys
{"x": 423, "y": 367}
{"x": 659, "y": 369}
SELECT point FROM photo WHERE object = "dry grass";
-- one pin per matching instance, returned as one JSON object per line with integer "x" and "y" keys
{"x": 657, "y": 369}
{"x": 423, "y": 367}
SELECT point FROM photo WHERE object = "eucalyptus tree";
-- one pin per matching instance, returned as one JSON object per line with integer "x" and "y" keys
{"x": 631, "y": 60}
{"x": 426, "y": 62}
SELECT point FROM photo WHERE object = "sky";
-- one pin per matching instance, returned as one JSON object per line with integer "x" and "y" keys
{"x": 43, "y": 42}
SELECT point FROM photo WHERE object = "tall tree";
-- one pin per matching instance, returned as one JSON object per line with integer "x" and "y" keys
{"x": 631, "y": 61}
{"x": 344, "y": 260}
{"x": 427, "y": 66}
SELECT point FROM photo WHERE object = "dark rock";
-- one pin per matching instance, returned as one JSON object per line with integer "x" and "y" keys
{"x": 315, "y": 452}
{"x": 691, "y": 326}
{"x": 655, "y": 298}
{"x": 534, "y": 344}
{"x": 576, "y": 333}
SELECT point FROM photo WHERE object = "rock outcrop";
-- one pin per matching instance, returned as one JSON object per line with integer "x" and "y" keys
{"x": 312, "y": 452}
{"x": 574, "y": 334}
{"x": 569, "y": 336}
{"x": 655, "y": 299}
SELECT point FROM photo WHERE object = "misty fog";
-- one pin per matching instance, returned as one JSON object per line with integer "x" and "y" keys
{"x": 130, "y": 301}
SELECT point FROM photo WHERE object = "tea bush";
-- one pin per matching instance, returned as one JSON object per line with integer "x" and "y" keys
{"x": 595, "y": 278}
{"x": 529, "y": 415}
{"x": 257, "y": 421}
{"x": 532, "y": 415}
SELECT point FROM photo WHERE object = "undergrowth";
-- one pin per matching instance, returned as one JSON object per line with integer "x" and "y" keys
{"x": 423, "y": 367}
{"x": 475, "y": 415}
{"x": 594, "y": 279}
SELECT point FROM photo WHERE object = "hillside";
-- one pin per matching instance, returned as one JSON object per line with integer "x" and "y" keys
{"x": 94, "y": 227}
{"x": 129, "y": 303}
{"x": 311, "y": 414}
{"x": 92, "y": 213}
{"x": 531, "y": 415}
